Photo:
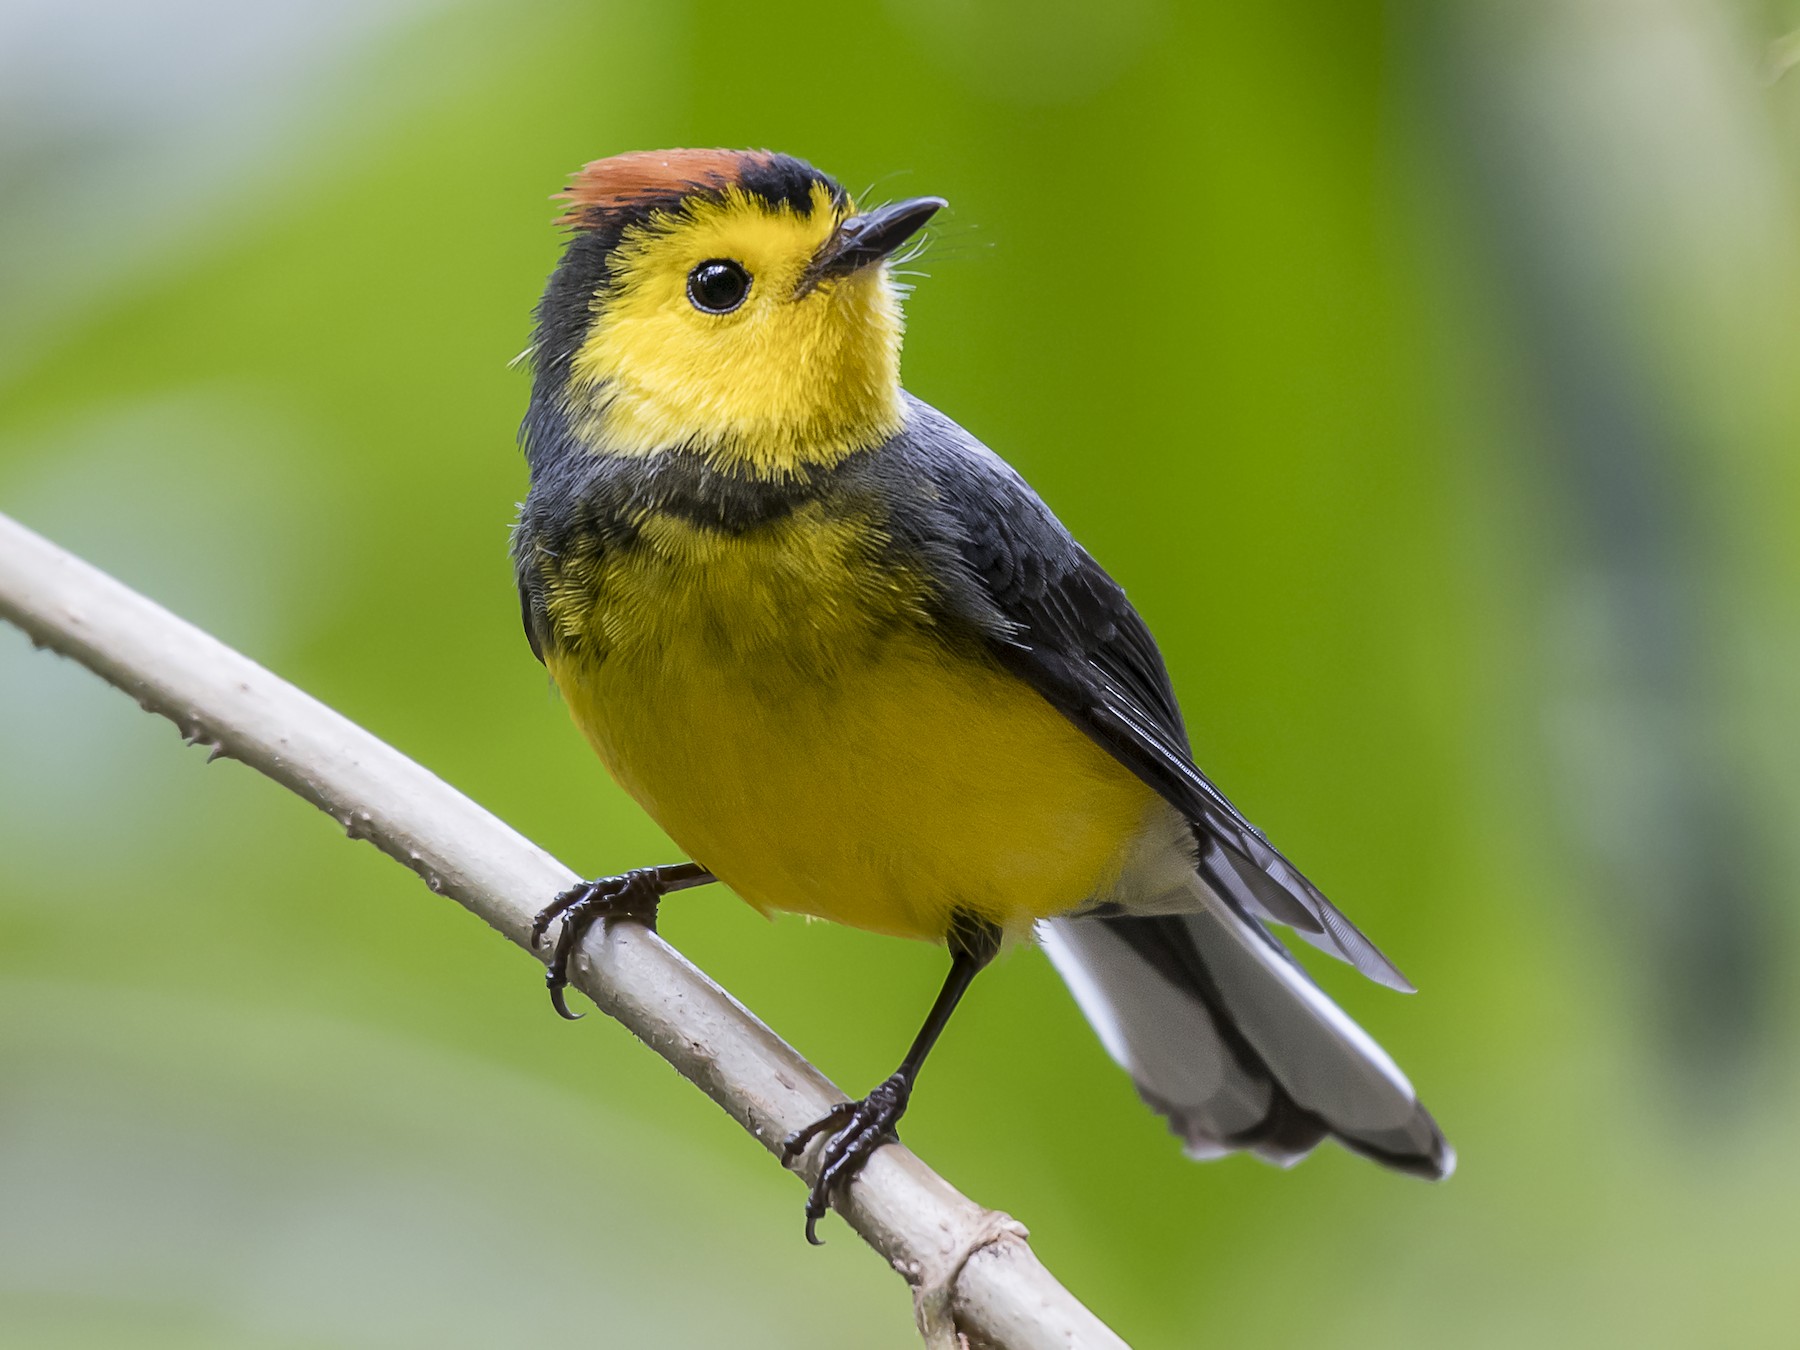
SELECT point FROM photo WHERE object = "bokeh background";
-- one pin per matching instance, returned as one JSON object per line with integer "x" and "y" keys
{"x": 1426, "y": 372}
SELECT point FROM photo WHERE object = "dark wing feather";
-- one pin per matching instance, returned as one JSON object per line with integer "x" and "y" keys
{"x": 1054, "y": 618}
{"x": 527, "y": 610}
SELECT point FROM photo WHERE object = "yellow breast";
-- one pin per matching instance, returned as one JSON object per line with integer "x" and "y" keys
{"x": 780, "y": 705}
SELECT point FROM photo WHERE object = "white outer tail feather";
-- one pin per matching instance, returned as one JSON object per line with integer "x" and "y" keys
{"x": 1185, "y": 1065}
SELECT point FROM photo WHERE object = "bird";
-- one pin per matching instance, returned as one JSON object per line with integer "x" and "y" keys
{"x": 855, "y": 668}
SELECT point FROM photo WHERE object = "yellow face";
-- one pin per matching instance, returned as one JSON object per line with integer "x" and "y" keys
{"x": 769, "y": 383}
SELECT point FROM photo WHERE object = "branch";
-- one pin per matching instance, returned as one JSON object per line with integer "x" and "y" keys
{"x": 973, "y": 1275}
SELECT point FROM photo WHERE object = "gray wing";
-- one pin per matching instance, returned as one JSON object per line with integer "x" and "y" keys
{"x": 1054, "y": 618}
{"x": 1222, "y": 1032}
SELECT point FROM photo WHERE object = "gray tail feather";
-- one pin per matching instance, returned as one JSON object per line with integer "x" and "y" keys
{"x": 1231, "y": 1041}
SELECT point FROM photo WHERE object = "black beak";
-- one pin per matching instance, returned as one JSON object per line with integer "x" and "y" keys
{"x": 864, "y": 240}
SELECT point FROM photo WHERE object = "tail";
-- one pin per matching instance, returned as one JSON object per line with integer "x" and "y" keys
{"x": 1231, "y": 1041}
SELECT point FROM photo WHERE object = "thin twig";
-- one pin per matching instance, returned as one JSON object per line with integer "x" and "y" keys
{"x": 975, "y": 1279}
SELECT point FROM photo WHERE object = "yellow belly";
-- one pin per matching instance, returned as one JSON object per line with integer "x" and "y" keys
{"x": 825, "y": 758}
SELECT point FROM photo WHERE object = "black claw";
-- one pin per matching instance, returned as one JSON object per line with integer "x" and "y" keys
{"x": 634, "y": 895}
{"x": 558, "y": 999}
{"x": 557, "y": 907}
{"x": 795, "y": 1144}
{"x": 857, "y": 1130}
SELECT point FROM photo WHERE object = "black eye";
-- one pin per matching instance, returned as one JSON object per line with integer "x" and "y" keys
{"x": 718, "y": 286}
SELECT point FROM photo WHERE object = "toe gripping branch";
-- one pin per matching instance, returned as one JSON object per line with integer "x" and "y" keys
{"x": 856, "y": 1129}
{"x": 633, "y": 895}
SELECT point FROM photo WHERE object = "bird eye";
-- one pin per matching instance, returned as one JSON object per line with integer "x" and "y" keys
{"x": 718, "y": 286}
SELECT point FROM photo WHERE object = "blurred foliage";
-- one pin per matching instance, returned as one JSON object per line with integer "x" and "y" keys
{"x": 1426, "y": 374}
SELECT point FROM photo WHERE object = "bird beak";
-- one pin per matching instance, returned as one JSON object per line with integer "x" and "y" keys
{"x": 866, "y": 239}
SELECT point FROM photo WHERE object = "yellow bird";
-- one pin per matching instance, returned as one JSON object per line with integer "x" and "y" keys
{"x": 855, "y": 668}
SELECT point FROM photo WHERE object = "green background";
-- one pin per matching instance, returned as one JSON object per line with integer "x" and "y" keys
{"x": 1426, "y": 373}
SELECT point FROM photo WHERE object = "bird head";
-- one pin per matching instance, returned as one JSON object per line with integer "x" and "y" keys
{"x": 732, "y": 303}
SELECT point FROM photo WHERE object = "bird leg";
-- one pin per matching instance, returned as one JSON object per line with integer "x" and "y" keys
{"x": 634, "y": 895}
{"x": 857, "y": 1129}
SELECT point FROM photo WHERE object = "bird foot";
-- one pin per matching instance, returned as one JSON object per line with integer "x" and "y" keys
{"x": 857, "y": 1130}
{"x": 634, "y": 895}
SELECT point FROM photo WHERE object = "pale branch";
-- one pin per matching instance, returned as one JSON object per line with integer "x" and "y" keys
{"x": 973, "y": 1275}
